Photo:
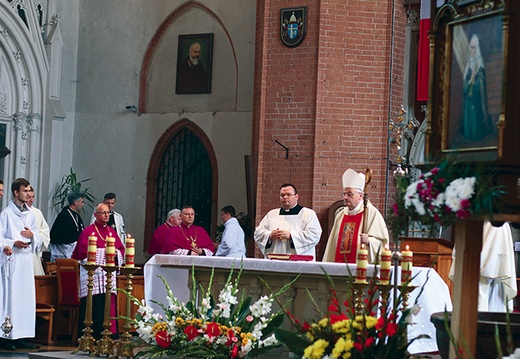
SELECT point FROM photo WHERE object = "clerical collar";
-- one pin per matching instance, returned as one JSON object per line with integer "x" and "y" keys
{"x": 356, "y": 210}
{"x": 295, "y": 210}
{"x": 22, "y": 208}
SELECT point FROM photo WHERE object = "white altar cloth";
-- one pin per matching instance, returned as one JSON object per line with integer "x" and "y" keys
{"x": 435, "y": 296}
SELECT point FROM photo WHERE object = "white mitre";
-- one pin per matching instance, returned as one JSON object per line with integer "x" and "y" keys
{"x": 353, "y": 179}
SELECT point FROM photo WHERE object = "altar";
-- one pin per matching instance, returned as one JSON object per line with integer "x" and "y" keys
{"x": 435, "y": 296}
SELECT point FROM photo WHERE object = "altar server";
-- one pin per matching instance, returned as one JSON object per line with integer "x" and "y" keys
{"x": 291, "y": 229}
{"x": 348, "y": 233}
{"x": 43, "y": 232}
{"x": 19, "y": 232}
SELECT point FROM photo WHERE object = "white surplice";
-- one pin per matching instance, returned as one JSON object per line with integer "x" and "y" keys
{"x": 497, "y": 285}
{"x": 44, "y": 234}
{"x": 304, "y": 227}
{"x": 17, "y": 273}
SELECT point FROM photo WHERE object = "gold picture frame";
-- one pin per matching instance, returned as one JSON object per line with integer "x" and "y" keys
{"x": 467, "y": 87}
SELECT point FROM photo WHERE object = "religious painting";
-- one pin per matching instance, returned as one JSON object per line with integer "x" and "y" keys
{"x": 194, "y": 62}
{"x": 476, "y": 58}
{"x": 347, "y": 237}
{"x": 293, "y": 26}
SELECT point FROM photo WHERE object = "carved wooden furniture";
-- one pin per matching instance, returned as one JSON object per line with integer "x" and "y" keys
{"x": 431, "y": 252}
{"x": 67, "y": 274}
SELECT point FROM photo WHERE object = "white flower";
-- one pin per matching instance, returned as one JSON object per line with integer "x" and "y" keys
{"x": 227, "y": 294}
{"x": 245, "y": 349}
{"x": 145, "y": 311}
{"x": 411, "y": 193}
{"x": 257, "y": 330}
{"x": 144, "y": 331}
{"x": 415, "y": 309}
{"x": 458, "y": 190}
{"x": 439, "y": 201}
{"x": 270, "y": 340}
{"x": 226, "y": 310}
{"x": 262, "y": 306}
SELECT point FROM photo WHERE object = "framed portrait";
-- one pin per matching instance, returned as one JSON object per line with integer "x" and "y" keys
{"x": 194, "y": 62}
{"x": 467, "y": 90}
{"x": 476, "y": 73}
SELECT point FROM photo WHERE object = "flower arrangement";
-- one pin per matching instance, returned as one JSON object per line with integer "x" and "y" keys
{"x": 231, "y": 328}
{"x": 379, "y": 331}
{"x": 446, "y": 193}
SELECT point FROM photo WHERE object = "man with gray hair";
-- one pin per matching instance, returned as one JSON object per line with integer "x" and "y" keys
{"x": 162, "y": 233}
{"x": 67, "y": 227}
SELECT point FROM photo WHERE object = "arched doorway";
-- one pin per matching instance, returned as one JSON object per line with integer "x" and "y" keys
{"x": 182, "y": 171}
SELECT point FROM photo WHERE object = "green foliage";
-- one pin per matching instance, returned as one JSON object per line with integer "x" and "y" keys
{"x": 69, "y": 184}
{"x": 222, "y": 327}
{"x": 447, "y": 192}
{"x": 343, "y": 333}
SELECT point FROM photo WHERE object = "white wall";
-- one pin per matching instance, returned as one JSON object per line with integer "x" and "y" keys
{"x": 113, "y": 145}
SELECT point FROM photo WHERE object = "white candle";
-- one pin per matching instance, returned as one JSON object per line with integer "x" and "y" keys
{"x": 361, "y": 264}
{"x": 130, "y": 252}
{"x": 386, "y": 264}
{"x": 406, "y": 265}
{"x": 92, "y": 248}
{"x": 110, "y": 251}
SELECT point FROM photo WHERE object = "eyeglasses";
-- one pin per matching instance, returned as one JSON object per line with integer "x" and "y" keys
{"x": 283, "y": 195}
{"x": 348, "y": 194}
{"x": 103, "y": 213}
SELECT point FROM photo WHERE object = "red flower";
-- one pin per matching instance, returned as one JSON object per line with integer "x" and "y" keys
{"x": 213, "y": 330}
{"x": 358, "y": 347}
{"x": 369, "y": 342}
{"x": 191, "y": 332}
{"x": 163, "y": 339}
{"x": 230, "y": 335}
{"x": 234, "y": 351}
{"x": 337, "y": 318}
{"x": 306, "y": 327}
{"x": 391, "y": 329}
{"x": 380, "y": 323}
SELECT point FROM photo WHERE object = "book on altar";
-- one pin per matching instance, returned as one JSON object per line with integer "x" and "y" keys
{"x": 290, "y": 257}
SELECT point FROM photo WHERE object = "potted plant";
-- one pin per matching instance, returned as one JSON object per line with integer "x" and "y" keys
{"x": 70, "y": 184}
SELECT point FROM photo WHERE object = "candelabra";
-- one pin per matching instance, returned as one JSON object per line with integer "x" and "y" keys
{"x": 124, "y": 348}
{"x": 87, "y": 343}
{"x": 105, "y": 345}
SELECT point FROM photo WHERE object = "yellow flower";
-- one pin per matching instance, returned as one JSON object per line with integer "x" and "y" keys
{"x": 342, "y": 326}
{"x": 323, "y": 322}
{"x": 371, "y": 322}
{"x": 158, "y": 327}
{"x": 316, "y": 349}
{"x": 179, "y": 321}
{"x": 342, "y": 346}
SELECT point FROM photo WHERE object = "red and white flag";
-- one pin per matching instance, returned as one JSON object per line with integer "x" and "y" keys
{"x": 423, "y": 72}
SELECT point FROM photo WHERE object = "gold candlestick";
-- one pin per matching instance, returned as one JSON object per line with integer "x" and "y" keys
{"x": 87, "y": 343}
{"x": 124, "y": 348}
{"x": 359, "y": 290}
{"x": 385, "y": 292}
{"x": 405, "y": 290}
{"x": 106, "y": 344}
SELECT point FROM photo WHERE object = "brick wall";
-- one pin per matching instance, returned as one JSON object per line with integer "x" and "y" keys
{"x": 326, "y": 100}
